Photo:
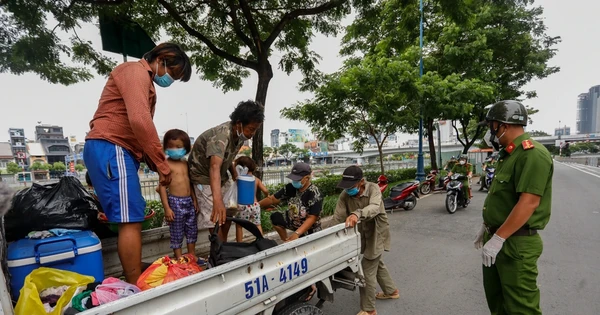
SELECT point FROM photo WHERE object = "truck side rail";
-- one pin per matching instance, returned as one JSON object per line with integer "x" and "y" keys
{"x": 252, "y": 284}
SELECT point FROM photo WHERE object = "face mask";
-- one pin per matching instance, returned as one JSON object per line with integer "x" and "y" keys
{"x": 241, "y": 134}
{"x": 462, "y": 162}
{"x": 175, "y": 154}
{"x": 297, "y": 184}
{"x": 165, "y": 80}
{"x": 352, "y": 191}
{"x": 493, "y": 139}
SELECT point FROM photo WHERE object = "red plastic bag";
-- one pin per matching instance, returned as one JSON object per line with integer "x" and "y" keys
{"x": 165, "y": 270}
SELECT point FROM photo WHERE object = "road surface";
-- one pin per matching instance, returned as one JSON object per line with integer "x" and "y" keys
{"x": 438, "y": 270}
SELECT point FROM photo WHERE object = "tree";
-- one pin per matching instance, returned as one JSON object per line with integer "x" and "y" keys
{"x": 13, "y": 168}
{"x": 288, "y": 150}
{"x": 59, "y": 167}
{"x": 226, "y": 39}
{"x": 372, "y": 98}
{"x": 538, "y": 133}
{"x": 38, "y": 166}
{"x": 246, "y": 152}
{"x": 445, "y": 98}
{"x": 501, "y": 43}
{"x": 79, "y": 167}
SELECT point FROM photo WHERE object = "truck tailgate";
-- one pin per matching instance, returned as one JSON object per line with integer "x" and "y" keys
{"x": 251, "y": 284}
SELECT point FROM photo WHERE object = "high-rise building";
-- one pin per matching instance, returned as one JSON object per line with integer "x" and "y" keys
{"x": 18, "y": 146}
{"x": 588, "y": 111}
{"x": 54, "y": 142}
{"x": 275, "y": 138}
{"x": 562, "y": 131}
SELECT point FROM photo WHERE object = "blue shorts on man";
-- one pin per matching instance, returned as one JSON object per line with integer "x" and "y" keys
{"x": 114, "y": 174}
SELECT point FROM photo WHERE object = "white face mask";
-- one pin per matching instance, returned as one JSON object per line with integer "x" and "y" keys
{"x": 462, "y": 162}
{"x": 241, "y": 134}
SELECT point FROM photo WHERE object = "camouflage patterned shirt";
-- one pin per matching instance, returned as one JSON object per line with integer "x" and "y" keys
{"x": 217, "y": 141}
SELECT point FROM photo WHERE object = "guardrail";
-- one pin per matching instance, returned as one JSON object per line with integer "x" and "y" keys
{"x": 590, "y": 160}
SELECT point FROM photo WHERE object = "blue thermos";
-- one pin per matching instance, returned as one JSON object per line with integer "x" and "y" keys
{"x": 246, "y": 185}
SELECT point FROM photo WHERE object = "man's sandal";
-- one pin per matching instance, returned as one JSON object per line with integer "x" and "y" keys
{"x": 366, "y": 313}
{"x": 383, "y": 296}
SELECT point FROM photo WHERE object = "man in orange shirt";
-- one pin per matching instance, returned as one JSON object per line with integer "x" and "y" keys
{"x": 123, "y": 134}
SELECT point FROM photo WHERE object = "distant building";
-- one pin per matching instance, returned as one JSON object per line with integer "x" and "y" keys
{"x": 55, "y": 144}
{"x": 588, "y": 111}
{"x": 564, "y": 131}
{"x": 275, "y": 138}
{"x": 36, "y": 153}
{"x": 17, "y": 143}
{"x": 6, "y": 155}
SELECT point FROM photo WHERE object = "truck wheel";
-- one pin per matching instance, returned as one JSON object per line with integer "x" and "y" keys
{"x": 301, "y": 309}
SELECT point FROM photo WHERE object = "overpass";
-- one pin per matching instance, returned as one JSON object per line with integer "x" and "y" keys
{"x": 450, "y": 147}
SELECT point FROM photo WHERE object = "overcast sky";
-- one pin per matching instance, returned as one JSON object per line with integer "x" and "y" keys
{"x": 27, "y": 99}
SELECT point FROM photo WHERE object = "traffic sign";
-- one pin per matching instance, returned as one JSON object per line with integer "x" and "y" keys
{"x": 21, "y": 155}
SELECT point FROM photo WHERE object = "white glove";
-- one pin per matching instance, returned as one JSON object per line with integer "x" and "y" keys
{"x": 478, "y": 242}
{"x": 491, "y": 249}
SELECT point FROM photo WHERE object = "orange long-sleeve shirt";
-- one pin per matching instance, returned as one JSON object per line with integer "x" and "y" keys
{"x": 125, "y": 112}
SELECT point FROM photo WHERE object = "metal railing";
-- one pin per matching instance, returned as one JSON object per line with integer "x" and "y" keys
{"x": 589, "y": 160}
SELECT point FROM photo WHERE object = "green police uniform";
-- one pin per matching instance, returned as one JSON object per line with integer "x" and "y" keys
{"x": 524, "y": 166}
{"x": 450, "y": 165}
{"x": 464, "y": 170}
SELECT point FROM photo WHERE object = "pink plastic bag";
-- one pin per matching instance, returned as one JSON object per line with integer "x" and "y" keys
{"x": 113, "y": 289}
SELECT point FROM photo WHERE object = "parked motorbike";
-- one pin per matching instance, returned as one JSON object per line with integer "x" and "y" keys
{"x": 486, "y": 182}
{"x": 454, "y": 196}
{"x": 430, "y": 183}
{"x": 382, "y": 182}
{"x": 403, "y": 195}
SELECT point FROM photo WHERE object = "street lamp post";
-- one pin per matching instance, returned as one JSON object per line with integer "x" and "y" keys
{"x": 420, "y": 161}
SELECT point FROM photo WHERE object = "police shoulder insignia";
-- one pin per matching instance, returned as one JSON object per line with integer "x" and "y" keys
{"x": 527, "y": 144}
{"x": 510, "y": 148}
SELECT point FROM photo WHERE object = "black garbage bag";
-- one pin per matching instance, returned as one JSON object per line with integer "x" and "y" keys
{"x": 65, "y": 204}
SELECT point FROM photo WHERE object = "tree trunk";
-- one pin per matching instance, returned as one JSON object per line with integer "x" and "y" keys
{"x": 265, "y": 74}
{"x": 380, "y": 149}
{"x": 432, "y": 152}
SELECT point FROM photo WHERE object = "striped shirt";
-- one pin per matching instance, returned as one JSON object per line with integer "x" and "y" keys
{"x": 125, "y": 112}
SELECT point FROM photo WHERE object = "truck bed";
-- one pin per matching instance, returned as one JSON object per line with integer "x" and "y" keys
{"x": 252, "y": 284}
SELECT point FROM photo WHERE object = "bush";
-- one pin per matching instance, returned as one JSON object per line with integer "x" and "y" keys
{"x": 327, "y": 185}
{"x": 159, "y": 217}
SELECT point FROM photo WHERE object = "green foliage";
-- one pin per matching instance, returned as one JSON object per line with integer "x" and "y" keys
{"x": 38, "y": 166}
{"x": 13, "y": 168}
{"x": 475, "y": 40}
{"x": 246, "y": 152}
{"x": 538, "y": 133}
{"x": 375, "y": 97}
{"x": 287, "y": 150}
{"x": 158, "y": 219}
{"x": 584, "y": 147}
{"x": 79, "y": 167}
{"x": 59, "y": 167}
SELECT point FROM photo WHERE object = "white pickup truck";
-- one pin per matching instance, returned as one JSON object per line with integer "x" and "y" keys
{"x": 273, "y": 281}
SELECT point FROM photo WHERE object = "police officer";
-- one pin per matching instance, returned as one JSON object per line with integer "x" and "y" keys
{"x": 450, "y": 164}
{"x": 517, "y": 206}
{"x": 465, "y": 168}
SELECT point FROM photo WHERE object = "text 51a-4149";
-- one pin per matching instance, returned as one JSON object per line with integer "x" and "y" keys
{"x": 287, "y": 273}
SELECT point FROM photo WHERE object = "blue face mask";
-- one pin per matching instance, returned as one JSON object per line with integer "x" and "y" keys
{"x": 175, "y": 154}
{"x": 164, "y": 80}
{"x": 297, "y": 184}
{"x": 352, "y": 191}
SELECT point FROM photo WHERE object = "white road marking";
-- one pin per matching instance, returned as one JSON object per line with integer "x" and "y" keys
{"x": 579, "y": 169}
